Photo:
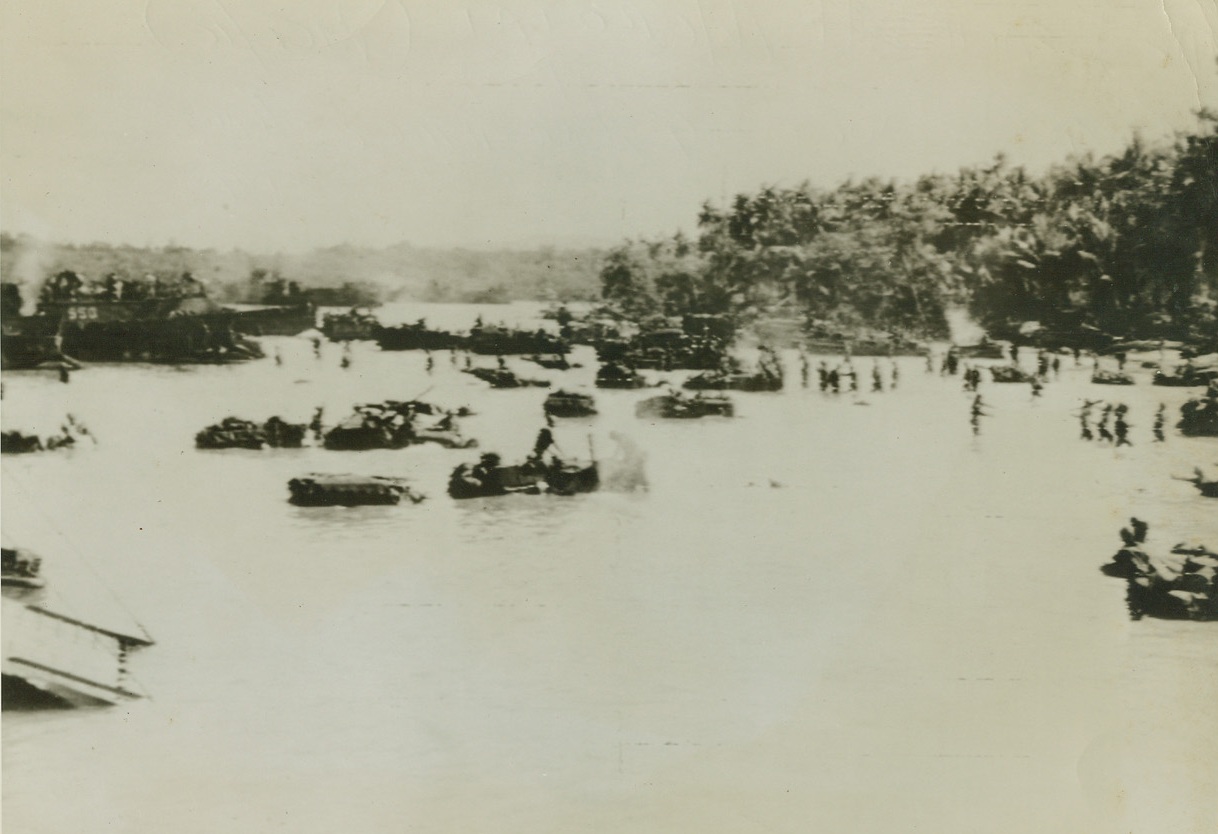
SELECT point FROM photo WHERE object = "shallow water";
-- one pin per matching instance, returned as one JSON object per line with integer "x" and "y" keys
{"x": 834, "y": 614}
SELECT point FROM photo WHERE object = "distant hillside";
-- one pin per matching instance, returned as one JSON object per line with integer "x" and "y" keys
{"x": 397, "y": 272}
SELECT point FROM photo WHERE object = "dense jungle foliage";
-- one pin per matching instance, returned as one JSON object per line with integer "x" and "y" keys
{"x": 1126, "y": 243}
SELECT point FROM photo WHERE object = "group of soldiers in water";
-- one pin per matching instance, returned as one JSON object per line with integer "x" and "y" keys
{"x": 1113, "y": 426}
{"x": 71, "y": 431}
{"x": 69, "y": 286}
{"x": 844, "y": 374}
{"x": 429, "y": 364}
{"x": 1118, "y": 433}
{"x": 1179, "y": 586}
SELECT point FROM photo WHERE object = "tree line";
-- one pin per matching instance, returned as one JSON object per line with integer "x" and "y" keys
{"x": 1125, "y": 243}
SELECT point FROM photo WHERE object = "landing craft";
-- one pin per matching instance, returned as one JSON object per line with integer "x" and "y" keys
{"x": 52, "y": 658}
{"x": 350, "y": 490}
{"x": 569, "y": 404}
{"x": 116, "y": 321}
{"x": 675, "y": 406}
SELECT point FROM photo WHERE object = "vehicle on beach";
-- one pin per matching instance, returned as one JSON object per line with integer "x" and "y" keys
{"x": 418, "y": 336}
{"x": 396, "y": 425}
{"x": 569, "y": 404}
{"x": 488, "y": 478}
{"x": 1010, "y": 373}
{"x": 732, "y": 375}
{"x": 1178, "y": 585}
{"x": 1196, "y": 372}
{"x": 1140, "y": 345}
{"x": 760, "y": 380}
{"x": 503, "y": 378}
{"x": 985, "y": 349}
{"x": 273, "y": 320}
{"x": 593, "y": 333}
{"x": 552, "y": 362}
{"x": 615, "y": 375}
{"x": 1199, "y": 416}
{"x": 1202, "y": 346}
{"x": 676, "y": 406}
{"x": 884, "y": 347}
{"x": 358, "y": 323}
{"x": 235, "y": 433}
{"x": 273, "y": 306}
{"x": 1064, "y": 335}
{"x": 1185, "y": 377}
{"x": 569, "y": 478}
{"x": 1208, "y": 487}
{"x": 1100, "y": 377}
{"x": 665, "y": 349}
{"x": 32, "y": 343}
{"x": 18, "y": 442}
{"x": 322, "y": 490}
{"x": 491, "y": 340}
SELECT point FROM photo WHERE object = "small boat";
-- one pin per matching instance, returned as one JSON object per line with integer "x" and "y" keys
{"x": 234, "y": 433}
{"x": 20, "y": 568}
{"x": 491, "y": 340}
{"x": 488, "y": 478}
{"x": 19, "y": 443}
{"x": 1199, "y": 416}
{"x": 16, "y": 442}
{"x": 668, "y": 349}
{"x": 571, "y": 478}
{"x": 503, "y": 378}
{"x": 1185, "y": 376}
{"x": 885, "y": 347}
{"x": 553, "y": 361}
{"x": 360, "y": 432}
{"x": 357, "y": 323}
{"x": 614, "y": 375}
{"x": 985, "y": 349}
{"x": 1143, "y": 345}
{"x": 417, "y": 336}
{"x": 448, "y": 437}
{"x": 395, "y": 425}
{"x": 1009, "y": 373}
{"x": 734, "y": 381}
{"x": 569, "y": 404}
{"x": 1099, "y": 377}
{"x": 1160, "y": 586}
{"x": 273, "y": 320}
{"x": 676, "y": 406}
{"x": 349, "y": 491}
{"x": 1208, "y": 488}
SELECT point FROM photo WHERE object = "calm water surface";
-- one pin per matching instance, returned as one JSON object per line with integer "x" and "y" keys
{"x": 830, "y": 614}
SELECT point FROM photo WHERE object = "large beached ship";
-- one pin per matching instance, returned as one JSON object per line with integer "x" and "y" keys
{"x": 116, "y": 321}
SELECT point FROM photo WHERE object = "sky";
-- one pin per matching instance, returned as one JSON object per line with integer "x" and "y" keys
{"x": 286, "y": 126}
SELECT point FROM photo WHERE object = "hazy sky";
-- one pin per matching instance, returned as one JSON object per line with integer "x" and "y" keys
{"x": 302, "y": 123}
